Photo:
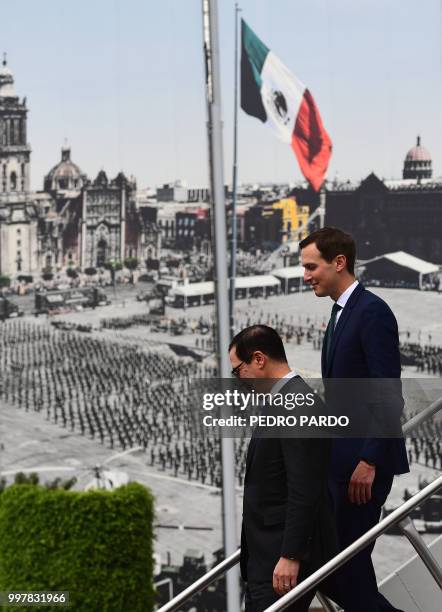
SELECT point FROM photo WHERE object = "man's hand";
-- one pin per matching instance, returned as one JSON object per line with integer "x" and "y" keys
{"x": 285, "y": 575}
{"x": 359, "y": 488}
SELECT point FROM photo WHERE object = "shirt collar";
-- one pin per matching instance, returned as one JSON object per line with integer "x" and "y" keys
{"x": 344, "y": 297}
{"x": 281, "y": 382}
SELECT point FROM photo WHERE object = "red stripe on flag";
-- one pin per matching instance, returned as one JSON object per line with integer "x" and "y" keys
{"x": 311, "y": 143}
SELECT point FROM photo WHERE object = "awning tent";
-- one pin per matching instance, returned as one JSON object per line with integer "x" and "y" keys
{"x": 399, "y": 269}
{"x": 203, "y": 293}
{"x": 291, "y": 278}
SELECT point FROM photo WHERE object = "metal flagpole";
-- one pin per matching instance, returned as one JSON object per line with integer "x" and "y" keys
{"x": 234, "y": 184}
{"x": 219, "y": 233}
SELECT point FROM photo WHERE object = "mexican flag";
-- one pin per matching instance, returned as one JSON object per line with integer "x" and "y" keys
{"x": 271, "y": 93}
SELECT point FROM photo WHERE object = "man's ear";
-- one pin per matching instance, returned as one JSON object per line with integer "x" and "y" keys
{"x": 260, "y": 359}
{"x": 341, "y": 262}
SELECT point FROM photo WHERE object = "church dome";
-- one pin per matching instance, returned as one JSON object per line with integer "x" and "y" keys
{"x": 6, "y": 80}
{"x": 5, "y": 72}
{"x": 418, "y": 153}
{"x": 417, "y": 164}
{"x": 65, "y": 175}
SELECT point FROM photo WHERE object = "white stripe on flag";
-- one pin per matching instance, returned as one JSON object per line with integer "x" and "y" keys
{"x": 282, "y": 95}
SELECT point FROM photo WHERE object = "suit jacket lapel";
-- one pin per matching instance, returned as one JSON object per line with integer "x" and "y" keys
{"x": 345, "y": 315}
{"x": 324, "y": 353}
{"x": 250, "y": 453}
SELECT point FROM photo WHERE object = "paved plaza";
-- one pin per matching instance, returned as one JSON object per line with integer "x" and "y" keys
{"x": 298, "y": 308}
{"x": 188, "y": 513}
{"x": 30, "y": 441}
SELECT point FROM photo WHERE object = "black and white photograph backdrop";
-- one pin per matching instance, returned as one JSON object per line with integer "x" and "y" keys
{"x": 108, "y": 256}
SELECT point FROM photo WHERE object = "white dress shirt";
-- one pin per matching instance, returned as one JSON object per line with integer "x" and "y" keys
{"x": 343, "y": 299}
{"x": 281, "y": 382}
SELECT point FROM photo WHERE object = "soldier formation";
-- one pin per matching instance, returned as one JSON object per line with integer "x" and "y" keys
{"x": 115, "y": 392}
{"x": 426, "y": 358}
{"x": 124, "y": 395}
{"x": 424, "y": 446}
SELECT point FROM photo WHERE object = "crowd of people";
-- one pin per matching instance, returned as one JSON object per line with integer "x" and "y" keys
{"x": 113, "y": 391}
{"x": 293, "y": 329}
{"x": 123, "y": 394}
{"x": 424, "y": 446}
{"x": 125, "y": 322}
{"x": 427, "y": 358}
{"x": 300, "y": 329}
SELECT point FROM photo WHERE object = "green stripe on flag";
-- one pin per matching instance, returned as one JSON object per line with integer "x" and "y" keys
{"x": 253, "y": 56}
{"x": 256, "y": 50}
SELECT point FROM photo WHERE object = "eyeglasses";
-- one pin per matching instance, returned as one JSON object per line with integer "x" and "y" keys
{"x": 235, "y": 371}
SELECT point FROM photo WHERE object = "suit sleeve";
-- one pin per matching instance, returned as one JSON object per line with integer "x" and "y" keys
{"x": 380, "y": 344}
{"x": 306, "y": 464}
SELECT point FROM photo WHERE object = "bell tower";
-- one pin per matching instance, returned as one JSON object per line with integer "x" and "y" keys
{"x": 15, "y": 153}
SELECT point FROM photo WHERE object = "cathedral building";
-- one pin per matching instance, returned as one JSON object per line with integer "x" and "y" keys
{"x": 392, "y": 215}
{"x": 74, "y": 221}
{"x": 386, "y": 215}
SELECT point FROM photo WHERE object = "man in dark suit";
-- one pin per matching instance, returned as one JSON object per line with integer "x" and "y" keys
{"x": 361, "y": 342}
{"x": 288, "y": 526}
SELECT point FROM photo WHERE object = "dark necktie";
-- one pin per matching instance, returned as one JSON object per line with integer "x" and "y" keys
{"x": 331, "y": 328}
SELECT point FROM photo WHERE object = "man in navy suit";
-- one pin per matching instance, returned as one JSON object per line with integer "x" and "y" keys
{"x": 362, "y": 342}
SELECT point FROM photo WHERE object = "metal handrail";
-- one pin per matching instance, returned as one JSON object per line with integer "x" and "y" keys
{"x": 411, "y": 533}
{"x": 395, "y": 517}
{"x": 418, "y": 419}
{"x": 202, "y": 582}
{"x": 229, "y": 562}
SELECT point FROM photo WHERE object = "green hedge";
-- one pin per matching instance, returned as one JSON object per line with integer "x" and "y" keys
{"x": 98, "y": 545}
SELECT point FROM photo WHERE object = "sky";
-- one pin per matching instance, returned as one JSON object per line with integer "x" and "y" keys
{"x": 123, "y": 82}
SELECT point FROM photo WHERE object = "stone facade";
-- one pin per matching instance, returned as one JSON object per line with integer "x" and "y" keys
{"x": 75, "y": 221}
{"x": 386, "y": 216}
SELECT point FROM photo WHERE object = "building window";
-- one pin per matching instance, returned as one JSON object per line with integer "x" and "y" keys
{"x": 18, "y": 231}
{"x": 13, "y": 181}
{"x": 18, "y": 243}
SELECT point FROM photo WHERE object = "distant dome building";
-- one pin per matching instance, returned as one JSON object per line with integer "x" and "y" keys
{"x": 6, "y": 80}
{"x": 417, "y": 164}
{"x": 65, "y": 176}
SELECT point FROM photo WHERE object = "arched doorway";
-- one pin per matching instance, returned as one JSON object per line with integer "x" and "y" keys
{"x": 102, "y": 250}
{"x": 48, "y": 263}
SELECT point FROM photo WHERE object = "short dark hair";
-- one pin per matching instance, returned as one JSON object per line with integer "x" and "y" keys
{"x": 258, "y": 338}
{"x": 332, "y": 241}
